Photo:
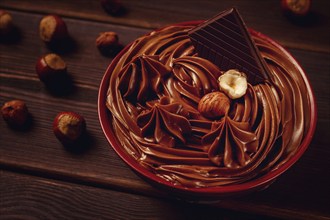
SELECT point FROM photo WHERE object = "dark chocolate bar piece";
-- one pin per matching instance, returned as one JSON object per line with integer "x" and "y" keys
{"x": 225, "y": 41}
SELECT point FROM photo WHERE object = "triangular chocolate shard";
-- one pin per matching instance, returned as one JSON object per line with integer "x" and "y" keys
{"x": 225, "y": 41}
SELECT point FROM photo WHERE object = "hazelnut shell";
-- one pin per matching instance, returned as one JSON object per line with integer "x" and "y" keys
{"x": 69, "y": 127}
{"x": 15, "y": 113}
{"x": 6, "y": 23}
{"x": 49, "y": 66}
{"x": 214, "y": 105}
{"x": 53, "y": 29}
{"x": 108, "y": 43}
{"x": 296, "y": 8}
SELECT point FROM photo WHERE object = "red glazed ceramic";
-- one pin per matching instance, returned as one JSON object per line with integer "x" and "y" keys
{"x": 205, "y": 193}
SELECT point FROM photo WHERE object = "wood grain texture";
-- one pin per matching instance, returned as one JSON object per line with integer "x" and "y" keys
{"x": 301, "y": 193}
{"x": 19, "y": 81}
{"x": 26, "y": 197}
{"x": 263, "y": 16}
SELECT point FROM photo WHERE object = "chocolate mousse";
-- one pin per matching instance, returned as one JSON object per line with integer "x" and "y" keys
{"x": 154, "y": 94}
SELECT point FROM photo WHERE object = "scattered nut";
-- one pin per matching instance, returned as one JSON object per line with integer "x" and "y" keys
{"x": 53, "y": 29}
{"x": 6, "y": 22}
{"x": 214, "y": 105}
{"x": 108, "y": 43}
{"x": 68, "y": 127}
{"x": 15, "y": 113}
{"x": 107, "y": 39}
{"x": 49, "y": 66}
{"x": 296, "y": 8}
{"x": 233, "y": 83}
{"x": 112, "y": 7}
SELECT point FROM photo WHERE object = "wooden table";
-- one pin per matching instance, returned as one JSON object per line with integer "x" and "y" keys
{"x": 40, "y": 179}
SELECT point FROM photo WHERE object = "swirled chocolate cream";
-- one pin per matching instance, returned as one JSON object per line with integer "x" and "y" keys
{"x": 208, "y": 106}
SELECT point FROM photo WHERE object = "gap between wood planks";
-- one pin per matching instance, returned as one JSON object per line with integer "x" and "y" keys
{"x": 129, "y": 186}
{"x": 130, "y": 22}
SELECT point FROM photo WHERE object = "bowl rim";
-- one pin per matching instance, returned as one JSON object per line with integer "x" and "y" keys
{"x": 260, "y": 182}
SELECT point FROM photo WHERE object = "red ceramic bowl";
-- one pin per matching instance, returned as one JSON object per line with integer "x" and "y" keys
{"x": 210, "y": 192}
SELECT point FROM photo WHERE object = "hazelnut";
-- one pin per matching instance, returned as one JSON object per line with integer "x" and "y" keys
{"x": 214, "y": 105}
{"x": 112, "y": 7}
{"x": 15, "y": 113}
{"x": 49, "y": 66}
{"x": 6, "y": 23}
{"x": 52, "y": 29}
{"x": 296, "y": 8}
{"x": 108, "y": 43}
{"x": 68, "y": 127}
{"x": 233, "y": 83}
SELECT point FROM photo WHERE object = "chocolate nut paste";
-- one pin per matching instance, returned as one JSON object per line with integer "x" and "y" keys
{"x": 153, "y": 96}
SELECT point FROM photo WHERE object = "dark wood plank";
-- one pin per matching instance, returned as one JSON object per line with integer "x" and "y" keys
{"x": 19, "y": 81}
{"x": 28, "y": 197}
{"x": 301, "y": 193}
{"x": 264, "y": 16}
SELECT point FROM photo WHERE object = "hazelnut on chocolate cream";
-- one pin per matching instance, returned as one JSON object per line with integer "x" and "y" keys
{"x": 214, "y": 105}
{"x": 233, "y": 83}
{"x": 201, "y": 110}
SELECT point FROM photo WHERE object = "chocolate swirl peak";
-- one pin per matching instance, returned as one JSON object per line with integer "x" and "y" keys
{"x": 153, "y": 97}
{"x": 230, "y": 144}
{"x": 163, "y": 123}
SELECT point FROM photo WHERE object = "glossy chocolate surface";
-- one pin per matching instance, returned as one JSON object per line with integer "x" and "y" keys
{"x": 153, "y": 96}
